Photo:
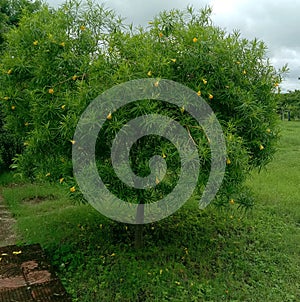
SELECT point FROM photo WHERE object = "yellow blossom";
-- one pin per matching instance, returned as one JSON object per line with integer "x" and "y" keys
{"x": 36, "y": 42}
{"x": 61, "y": 180}
{"x": 109, "y": 116}
{"x": 268, "y": 130}
{"x": 182, "y": 109}
{"x": 204, "y": 81}
{"x": 199, "y": 93}
{"x": 25, "y": 143}
{"x": 228, "y": 161}
{"x": 51, "y": 90}
{"x": 164, "y": 155}
{"x": 63, "y": 107}
{"x": 73, "y": 142}
{"x": 195, "y": 40}
{"x": 149, "y": 74}
{"x": 156, "y": 84}
{"x": 63, "y": 44}
{"x": 74, "y": 77}
{"x": 5, "y": 98}
{"x": 82, "y": 27}
{"x": 17, "y": 252}
{"x": 244, "y": 72}
{"x": 231, "y": 201}
{"x": 177, "y": 282}
{"x": 261, "y": 147}
{"x": 73, "y": 189}
{"x": 160, "y": 271}
{"x": 9, "y": 71}
{"x": 238, "y": 62}
{"x": 210, "y": 96}
{"x": 173, "y": 60}
{"x": 113, "y": 254}
{"x": 13, "y": 107}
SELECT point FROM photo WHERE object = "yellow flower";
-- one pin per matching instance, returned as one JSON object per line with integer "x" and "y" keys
{"x": 244, "y": 72}
{"x": 74, "y": 77}
{"x": 25, "y": 143}
{"x": 63, "y": 44}
{"x": 73, "y": 189}
{"x": 73, "y": 142}
{"x": 177, "y": 282}
{"x": 195, "y": 40}
{"x": 113, "y": 254}
{"x": 36, "y": 42}
{"x": 164, "y": 155}
{"x": 160, "y": 271}
{"x": 17, "y": 252}
{"x": 238, "y": 62}
{"x": 231, "y": 201}
{"x": 82, "y": 27}
{"x": 149, "y": 74}
{"x": 48, "y": 174}
{"x": 9, "y": 71}
{"x": 13, "y": 107}
{"x": 182, "y": 109}
{"x": 268, "y": 130}
{"x": 61, "y": 180}
{"x": 210, "y": 96}
{"x": 261, "y": 147}
{"x": 156, "y": 84}
{"x": 63, "y": 107}
{"x": 161, "y": 34}
{"x": 199, "y": 93}
{"x": 173, "y": 60}
{"x": 109, "y": 116}
{"x": 228, "y": 161}
{"x": 204, "y": 81}
{"x": 5, "y": 98}
{"x": 51, "y": 90}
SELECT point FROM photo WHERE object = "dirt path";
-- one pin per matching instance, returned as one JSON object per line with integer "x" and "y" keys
{"x": 7, "y": 222}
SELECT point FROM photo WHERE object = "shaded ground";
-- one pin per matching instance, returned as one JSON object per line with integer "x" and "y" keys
{"x": 7, "y": 222}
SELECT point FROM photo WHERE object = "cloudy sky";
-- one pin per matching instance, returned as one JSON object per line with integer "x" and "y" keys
{"x": 276, "y": 22}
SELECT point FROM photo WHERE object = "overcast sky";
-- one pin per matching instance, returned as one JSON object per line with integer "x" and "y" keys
{"x": 276, "y": 22}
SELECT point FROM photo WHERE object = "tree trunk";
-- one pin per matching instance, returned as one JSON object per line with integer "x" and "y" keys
{"x": 138, "y": 241}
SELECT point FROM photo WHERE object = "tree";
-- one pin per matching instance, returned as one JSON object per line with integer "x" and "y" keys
{"x": 290, "y": 102}
{"x": 58, "y": 61}
{"x": 10, "y": 14}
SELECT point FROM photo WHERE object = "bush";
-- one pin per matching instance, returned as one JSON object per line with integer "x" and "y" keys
{"x": 58, "y": 61}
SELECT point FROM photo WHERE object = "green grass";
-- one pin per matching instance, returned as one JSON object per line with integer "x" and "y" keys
{"x": 191, "y": 256}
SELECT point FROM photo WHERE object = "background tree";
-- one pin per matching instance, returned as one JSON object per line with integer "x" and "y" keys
{"x": 10, "y": 14}
{"x": 290, "y": 103}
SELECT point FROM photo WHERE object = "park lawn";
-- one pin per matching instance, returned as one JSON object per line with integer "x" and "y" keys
{"x": 194, "y": 255}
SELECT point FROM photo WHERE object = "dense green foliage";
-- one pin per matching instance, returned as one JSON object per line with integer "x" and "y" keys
{"x": 58, "y": 61}
{"x": 290, "y": 102}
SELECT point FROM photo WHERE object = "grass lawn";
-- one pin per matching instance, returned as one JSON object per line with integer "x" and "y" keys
{"x": 191, "y": 256}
